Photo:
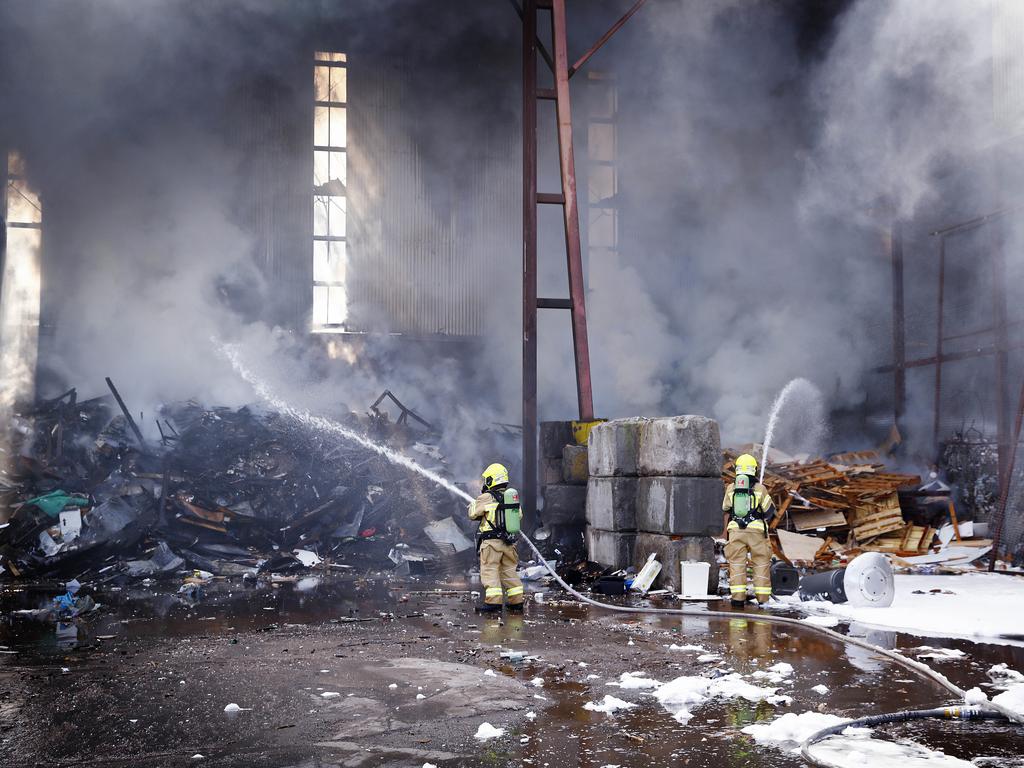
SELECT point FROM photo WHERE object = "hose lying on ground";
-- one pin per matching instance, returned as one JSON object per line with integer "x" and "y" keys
{"x": 942, "y": 713}
{"x": 990, "y": 708}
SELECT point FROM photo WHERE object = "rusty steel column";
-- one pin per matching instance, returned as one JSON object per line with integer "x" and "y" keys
{"x": 1002, "y": 355}
{"x": 577, "y": 292}
{"x": 899, "y": 340}
{"x": 939, "y": 333}
{"x": 529, "y": 484}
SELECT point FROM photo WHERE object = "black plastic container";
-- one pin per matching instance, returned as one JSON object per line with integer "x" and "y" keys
{"x": 610, "y": 585}
{"x": 785, "y": 579}
{"x": 824, "y": 586}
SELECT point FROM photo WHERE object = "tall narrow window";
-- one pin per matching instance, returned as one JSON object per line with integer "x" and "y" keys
{"x": 19, "y": 284}
{"x": 330, "y": 163}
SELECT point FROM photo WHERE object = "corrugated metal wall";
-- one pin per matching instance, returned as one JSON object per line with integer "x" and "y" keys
{"x": 423, "y": 236}
{"x": 1008, "y": 66}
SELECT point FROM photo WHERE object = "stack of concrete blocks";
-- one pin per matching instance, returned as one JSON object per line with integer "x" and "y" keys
{"x": 563, "y": 483}
{"x": 655, "y": 487}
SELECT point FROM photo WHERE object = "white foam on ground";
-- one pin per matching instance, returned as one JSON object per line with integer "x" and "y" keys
{"x": 1003, "y": 677}
{"x": 791, "y": 729}
{"x": 635, "y": 681}
{"x": 822, "y": 621}
{"x": 609, "y": 705}
{"x": 939, "y": 654}
{"x": 822, "y": 689}
{"x": 854, "y": 748}
{"x": 684, "y": 694}
{"x": 488, "y": 731}
{"x": 856, "y": 752}
{"x": 1012, "y": 698}
{"x": 777, "y": 673}
{"x": 675, "y": 647}
{"x": 976, "y": 609}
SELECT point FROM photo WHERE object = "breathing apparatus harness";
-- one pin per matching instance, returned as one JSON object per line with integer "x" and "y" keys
{"x": 745, "y": 505}
{"x": 508, "y": 516}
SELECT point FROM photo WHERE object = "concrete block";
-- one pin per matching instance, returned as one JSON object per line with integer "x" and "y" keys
{"x": 575, "y": 470}
{"x": 614, "y": 446}
{"x": 680, "y": 505}
{"x": 682, "y": 446}
{"x": 670, "y": 552}
{"x": 550, "y": 471}
{"x": 610, "y": 548}
{"x": 611, "y": 503}
{"x": 565, "y": 505}
{"x": 555, "y": 435}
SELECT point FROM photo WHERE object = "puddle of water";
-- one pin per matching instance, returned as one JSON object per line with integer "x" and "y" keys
{"x": 857, "y": 682}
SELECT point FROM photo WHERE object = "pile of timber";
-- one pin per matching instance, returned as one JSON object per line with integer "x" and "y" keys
{"x": 842, "y": 506}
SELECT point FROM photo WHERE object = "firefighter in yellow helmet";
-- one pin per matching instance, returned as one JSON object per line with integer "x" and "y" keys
{"x": 498, "y": 510}
{"x": 748, "y": 512}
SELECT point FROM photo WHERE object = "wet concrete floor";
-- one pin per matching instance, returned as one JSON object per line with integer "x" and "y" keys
{"x": 332, "y": 671}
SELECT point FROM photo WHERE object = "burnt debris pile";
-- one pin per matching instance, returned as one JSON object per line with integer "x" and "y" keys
{"x": 229, "y": 491}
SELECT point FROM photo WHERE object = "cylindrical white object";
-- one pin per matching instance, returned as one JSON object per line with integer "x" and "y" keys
{"x": 868, "y": 581}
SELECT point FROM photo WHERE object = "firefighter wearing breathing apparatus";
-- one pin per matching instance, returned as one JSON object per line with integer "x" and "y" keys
{"x": 748, "y": 511}
{"x": 499, "y": 512}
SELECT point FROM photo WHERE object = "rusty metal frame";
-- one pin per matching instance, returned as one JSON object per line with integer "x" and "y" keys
{"x": 576, "y": 303}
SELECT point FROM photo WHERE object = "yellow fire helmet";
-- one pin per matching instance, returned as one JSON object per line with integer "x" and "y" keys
{"x": 746, "y": 465}
{"x": 496, "y": 474}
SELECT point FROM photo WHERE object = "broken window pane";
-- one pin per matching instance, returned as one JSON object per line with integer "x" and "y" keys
{"x": 603, "y": 229}
{"x": 328, "y": 261}
{"x": 329, "y": 84}
{"x": 601, "y": 184}
{"x": 329, "y": 216}
{"x": 23, "y": 206}
{"x": 330, "y": 188}
{"x": 329, "y": 127}
{"x": 337, "y": 305}
{"x": 601, "y": 141}
{"x": 319, "y": 305}
{"x": 330, "y": 172}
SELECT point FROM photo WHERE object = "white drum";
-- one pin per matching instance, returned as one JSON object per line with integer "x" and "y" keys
{"x": 868, "y": 581}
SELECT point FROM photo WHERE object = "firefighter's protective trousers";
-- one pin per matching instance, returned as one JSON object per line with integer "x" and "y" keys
{"x": 753, "y": 541}
{"x": 498, "y": 561}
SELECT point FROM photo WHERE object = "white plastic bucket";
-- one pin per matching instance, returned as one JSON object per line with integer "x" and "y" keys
{"x": 693, "y": 578}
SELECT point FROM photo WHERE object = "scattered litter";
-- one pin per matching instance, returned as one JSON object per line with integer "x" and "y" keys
{"x": 330, "y": 694}
{"x": 393, "y": 686}
{"x": 708, "y": 658}
{"x": 232, "y": 708}
{"x": 675, "y": 647}
{"x": 537, "y": 682}
{"x": 531, "y": 715}
{"x": 490, "y": 673}
{"x": 822, "y": 689}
